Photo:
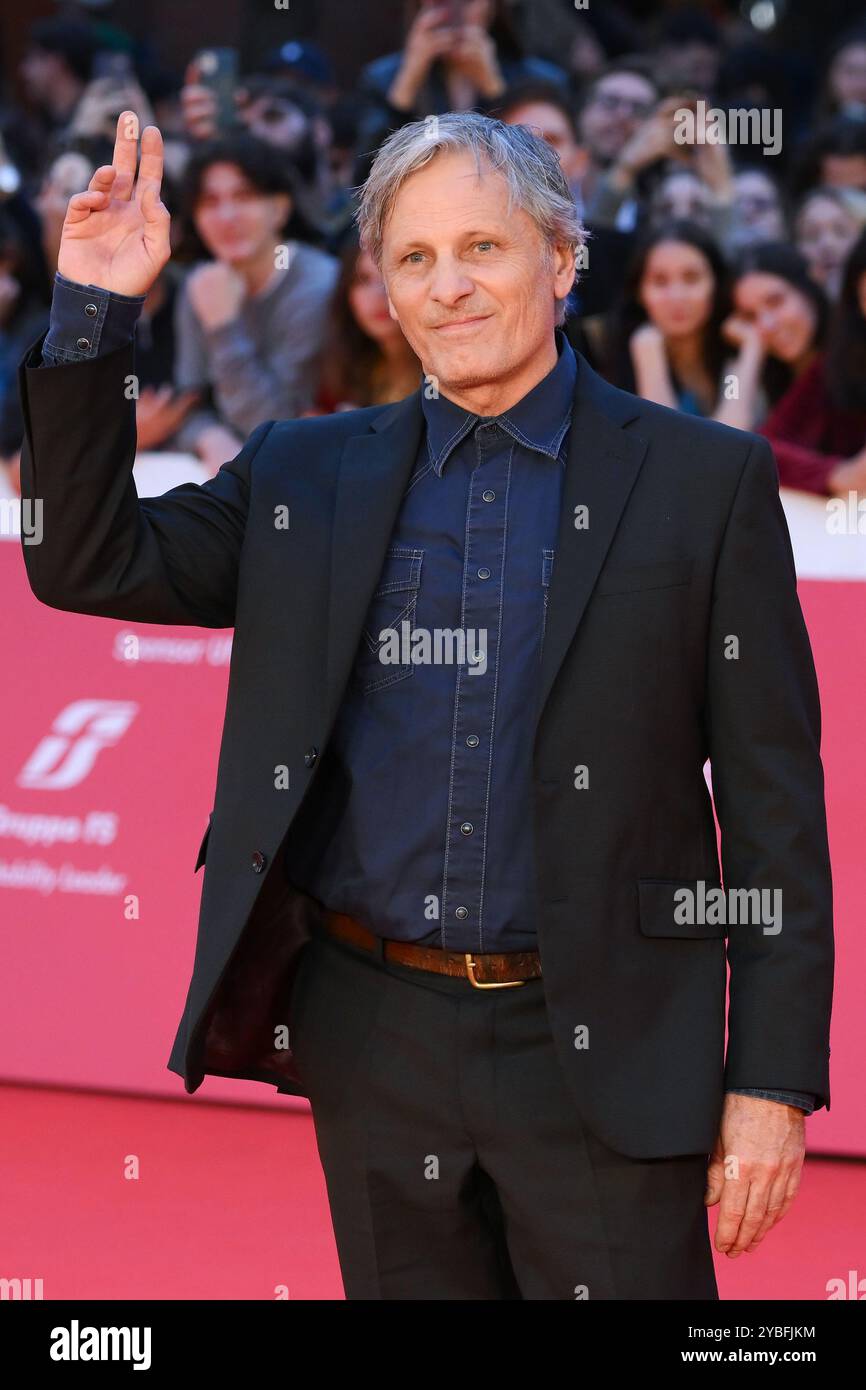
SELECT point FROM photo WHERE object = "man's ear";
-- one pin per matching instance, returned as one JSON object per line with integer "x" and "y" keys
{"x": 562, "y": 263}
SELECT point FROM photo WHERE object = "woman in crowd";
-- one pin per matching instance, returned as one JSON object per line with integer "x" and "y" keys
{"x": 367, "y": 360}
{"x": 817, "y": 425}
{"x": 250, "y": 320}
{"x": 668, "y": 342}
{"x": 827, "y": 224}
{"x": 775, "y": 298}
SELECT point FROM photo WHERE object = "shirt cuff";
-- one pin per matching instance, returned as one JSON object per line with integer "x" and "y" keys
{"x": 88, "y": 321}
{"x": 800, "y": 1098}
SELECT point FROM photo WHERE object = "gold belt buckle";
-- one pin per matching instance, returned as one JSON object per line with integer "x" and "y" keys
{"x": 487, "y": 984}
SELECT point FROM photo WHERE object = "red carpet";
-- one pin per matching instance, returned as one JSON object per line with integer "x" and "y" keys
{"x": 230, "y": 1203}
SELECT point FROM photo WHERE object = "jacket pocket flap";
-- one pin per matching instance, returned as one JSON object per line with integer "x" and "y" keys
{"x": 680, "y": 907}
{"x": 665, "y": 574}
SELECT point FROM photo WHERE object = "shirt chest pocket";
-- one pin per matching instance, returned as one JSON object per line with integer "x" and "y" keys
{"x": 384, "y": 640}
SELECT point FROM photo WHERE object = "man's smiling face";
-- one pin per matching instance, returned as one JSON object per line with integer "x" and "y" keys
{"x": 472, "y": 285}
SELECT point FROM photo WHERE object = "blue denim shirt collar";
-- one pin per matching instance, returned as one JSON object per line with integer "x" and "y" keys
{"x": 539, "y": 420}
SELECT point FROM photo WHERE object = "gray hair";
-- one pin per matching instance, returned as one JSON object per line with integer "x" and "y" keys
{"x": 530, "y": 166}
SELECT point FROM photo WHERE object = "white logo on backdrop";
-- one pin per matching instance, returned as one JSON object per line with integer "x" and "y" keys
{"x": 79, "y": 734}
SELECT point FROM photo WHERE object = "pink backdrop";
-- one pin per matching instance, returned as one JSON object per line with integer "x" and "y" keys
{"x": 117, "y": 760}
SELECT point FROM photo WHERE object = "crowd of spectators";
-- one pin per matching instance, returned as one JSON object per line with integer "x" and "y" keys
{"x": 726, "y": 279}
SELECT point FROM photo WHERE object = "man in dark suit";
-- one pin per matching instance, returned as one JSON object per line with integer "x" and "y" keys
{"x": 462, "y": 884}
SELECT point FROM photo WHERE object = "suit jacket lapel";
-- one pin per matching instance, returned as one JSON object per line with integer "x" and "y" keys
{"x": 601, "y": 469}
{"x": 374, "y": 472}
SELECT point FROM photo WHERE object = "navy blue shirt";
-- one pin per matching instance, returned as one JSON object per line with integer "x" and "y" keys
{"x": 434, "y": 842}
{"x": 428, "y": 771}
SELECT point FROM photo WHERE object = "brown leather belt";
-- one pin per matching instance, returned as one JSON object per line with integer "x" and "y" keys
{"x": 484, "y": 969}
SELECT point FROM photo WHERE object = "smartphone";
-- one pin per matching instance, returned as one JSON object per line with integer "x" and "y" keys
{"x": 218, "y": 69}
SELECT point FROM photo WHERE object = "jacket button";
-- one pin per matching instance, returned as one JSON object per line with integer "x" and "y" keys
{"x": 310, "y": 757}
{"x": 258, "y": 861}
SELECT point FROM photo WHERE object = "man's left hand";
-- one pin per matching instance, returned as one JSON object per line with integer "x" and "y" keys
{"x": 754, "y": 1171}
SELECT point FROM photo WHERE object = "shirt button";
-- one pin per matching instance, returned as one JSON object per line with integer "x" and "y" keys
{"x": 83, "y": 344}
{"x": 466, "y": 828}
{"x": 310, "y": 757}
{"x": 484, "y": 574}
{"x": 489, "y": 496}
{"x": 462, "y": 913}
{"x": 472, "y": 741}
{"x": 91, "y": 311}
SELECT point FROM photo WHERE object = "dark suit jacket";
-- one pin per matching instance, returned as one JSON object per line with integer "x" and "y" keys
{"x": 674, "y": 634}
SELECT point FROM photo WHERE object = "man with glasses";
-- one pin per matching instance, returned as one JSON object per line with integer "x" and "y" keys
{"x": 617, "y": 105}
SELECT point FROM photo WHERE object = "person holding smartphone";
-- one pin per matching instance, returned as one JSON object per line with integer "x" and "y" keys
{"x": 459, "y": 55}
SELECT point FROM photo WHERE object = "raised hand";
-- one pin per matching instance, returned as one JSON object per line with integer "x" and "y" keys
{"x": 116, "y": 234}
{"x": 430, "y": 37}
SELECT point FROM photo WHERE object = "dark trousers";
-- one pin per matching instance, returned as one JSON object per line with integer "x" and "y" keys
{"x": 456, "y": 1164}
